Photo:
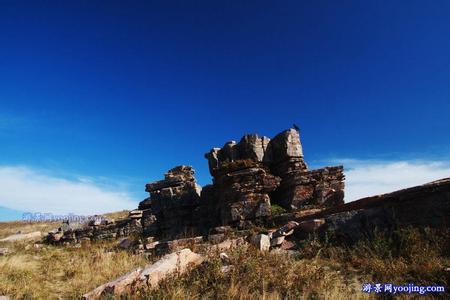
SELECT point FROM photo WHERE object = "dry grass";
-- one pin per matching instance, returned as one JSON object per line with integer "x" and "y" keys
{"x": 320, "y": 270}
{"x": 10, "y": 228}
{"x": 50, "y": 272}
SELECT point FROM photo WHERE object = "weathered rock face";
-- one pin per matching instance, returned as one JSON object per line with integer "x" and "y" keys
{"x": 247, "y": 178}
{"x": 281, "y": 157}
{"x": 243, "y": 194}
{"x": 321, "y": 187}
{"x": 253, "y": 147}
{"x": 250, "y": 147}
{"x": 284, "y": 146}
{"x": 96, "y": 230}
{"x": 170, "y": 210}
{"x": 420, "y": 206}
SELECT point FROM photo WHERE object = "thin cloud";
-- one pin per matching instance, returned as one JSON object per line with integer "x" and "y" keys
{"x": 32, "y": 190}
{"x": 371, "y": 177}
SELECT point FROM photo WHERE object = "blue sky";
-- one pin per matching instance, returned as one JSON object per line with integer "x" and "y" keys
{"x": 100, "y": 97}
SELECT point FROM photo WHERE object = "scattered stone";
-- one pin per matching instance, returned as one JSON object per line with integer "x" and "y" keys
{"x": 169, "y": 246}
{"x": 225, "y": 258}
{"x": 135, "y": 214}
{"x": 177, "y": 262}
{"x": 152, "y": 245}
{"x": 174, "y": 263}
{"x": 216, "y": 238}
{"x": 276, "y": 241}
{"x": 260, "y": 241}
{"x": 285, "y": 230}
{"x": 287, "y": 245}
{"x": 311, "y": 225}
{"x": 4, "y": 251}
{"x": 22, "y": 237}
{"x": 115, "y": 287}
{"x": 127, "y": 243}
{"x": 226, "y": 269}
{"x": 228, "y": 244}
{"x": 221, "y": 229}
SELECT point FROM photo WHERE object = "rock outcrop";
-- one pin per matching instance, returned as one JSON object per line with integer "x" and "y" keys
{"x": 172, "y": 208}
{"x": 243, "y": 193}
{"x": 96, "y": 229}
{"x": 322, "y": 187}
{"x": 281, "y": 157}
{"x": 248, "y": 177}
{"x": 426, "y": 205}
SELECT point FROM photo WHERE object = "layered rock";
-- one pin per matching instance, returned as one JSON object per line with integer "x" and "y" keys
{"x": 243, "y": 193}
{"x": 250, "y": 147}
{"x": 284, "y": 153}
{"x": 421, "y": 206}
{"x": 281, "y": 157}
{"x": 96, "y": 229}
{"x": 170, "y": 209}
{"x": 322, "y": 187}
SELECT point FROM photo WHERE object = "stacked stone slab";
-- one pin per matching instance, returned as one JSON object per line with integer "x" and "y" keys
{"x": 284, "y": 154}
{"x": 241, "y": 183}
{"x": 96, "y": 229}
{"x": 282, "y": 157}
{"x": 250, "y": 147}
{"x": 243, "y": 193}
{"x": 172, "y": 208}
{"x": 322, "y": 187}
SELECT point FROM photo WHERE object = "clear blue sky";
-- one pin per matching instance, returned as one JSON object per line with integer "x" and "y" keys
{"x": 128, "y": 89}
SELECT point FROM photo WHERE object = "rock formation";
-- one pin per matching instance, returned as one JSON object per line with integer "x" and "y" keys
{"x": 248, "y": 177}
{"x": 281, "y": 157}
{"x": 172, "y": 208}
{"x": 242, "y": 193}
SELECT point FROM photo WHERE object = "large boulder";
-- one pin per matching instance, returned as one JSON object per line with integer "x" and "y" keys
{"x": 174, "y": 263}
{"x": 252, "y": 146}
{"x": 284, "y": 146}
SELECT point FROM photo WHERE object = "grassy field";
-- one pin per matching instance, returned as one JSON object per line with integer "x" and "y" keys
{"x": 319, "y": 270}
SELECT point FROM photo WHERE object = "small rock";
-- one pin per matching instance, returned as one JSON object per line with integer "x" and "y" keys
{"x": 151, "y": 245}
{"x": 135, "y": 214}
{"x": 228, "y": 244}
{"x": 4, "y": 251}
{"x": 225, "y": 258}
{"x": 286, "y": 230}
{"x": 277, "y": 241}
{"x": 311, "y": 225}
{"x": 127, "y": 243}
{"x": 216, "y": 238}
{"x": 261, "y": 241}
{"x": 221, "y": 229}
{"x": 226, "y": 269}
{"x": 287, "y": 245}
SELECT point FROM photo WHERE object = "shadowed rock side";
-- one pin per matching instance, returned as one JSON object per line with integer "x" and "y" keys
{"x": 173, "y": 206}
{"x": 426, "y": 205}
